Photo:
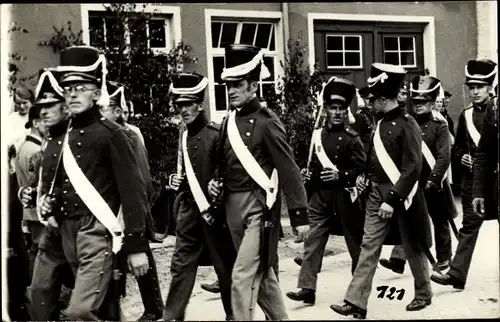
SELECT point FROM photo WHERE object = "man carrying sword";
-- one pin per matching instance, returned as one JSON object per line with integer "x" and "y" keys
{"x": 394, "y": 166}
{"x": 333, "y": 208}
{"x": 97, "y": 206}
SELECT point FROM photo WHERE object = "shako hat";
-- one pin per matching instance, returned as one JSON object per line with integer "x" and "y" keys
{"x": 81, "y": 64}
{"x": 480, "y": 71}
{"x": 364, "y": 92}
{"x": 33, "y": 114}
{"x": 425, "y": 88}
{"x": 188, "y": 87}
{"x": 47, "y": 90}
{"x": 117, "y": 95}
{"x": 385, "y": 80}
{"x": 339, "y": 90}
{"x": 244, "y": 61}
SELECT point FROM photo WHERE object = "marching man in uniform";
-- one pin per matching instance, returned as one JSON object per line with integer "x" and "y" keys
{"x": 257, "y": 159}
{"x": 479, "y": 77}
{"x": 93, "y": 186}
{"x": 394, "y": 165}
{"x": 340, "y": 158}
{"x": 197, "y": 230}
{"x": 436, "y": 150}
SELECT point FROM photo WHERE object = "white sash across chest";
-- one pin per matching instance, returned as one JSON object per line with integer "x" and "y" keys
{"x": 473, "y": 132}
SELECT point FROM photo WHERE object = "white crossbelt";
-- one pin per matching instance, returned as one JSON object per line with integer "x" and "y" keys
{"x": 389, "y": 166}
{"x": 270, "y": 185}
{"x": 473, "y": 132}
{"x": 92, "y": 199}
{"x": 326, "y": 162}
{"x": 194, "y": 185}
{"x": 431, "y": 161}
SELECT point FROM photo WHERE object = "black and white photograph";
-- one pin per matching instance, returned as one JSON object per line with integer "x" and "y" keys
{"x": 249, "y": 161}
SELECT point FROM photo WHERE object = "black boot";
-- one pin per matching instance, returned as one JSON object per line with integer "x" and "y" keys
{"x": 298, "y": 260}
{"x": 418, "y": 304}
{"x": 212, "y": 288}
{"x": 149, "y": 288}
{"x": 447, "y": 279}
{"x": 304, "y": 295}
{"x": 394, "y": 264}
{"x": 349, "y": 309}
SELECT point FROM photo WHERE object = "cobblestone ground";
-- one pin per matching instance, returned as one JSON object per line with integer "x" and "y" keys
{"x": 478, "y": 300}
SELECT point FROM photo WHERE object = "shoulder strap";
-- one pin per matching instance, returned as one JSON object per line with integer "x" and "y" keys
{"x": 92, "y": 199}
{"x": 270, "y": 185}
{"x": 431, "y": 161}
{"x": 473, "y": 132}
{"x": 389, "y": 166}
{"x": 194, "y": 185}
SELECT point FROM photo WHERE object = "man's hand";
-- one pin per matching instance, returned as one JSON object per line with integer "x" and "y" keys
{"x": 431, "y": 186}
{"x": 52, "y": 225}
{"x": 385, "y": 211}
{"x": 138, "y": 264}
{"x": 214, "y": 188}
{"x": 305, "y": 175}
{"x": 176, "y": 181}
{"x": 361, "y": 183}
{"x": 478, "y": 206}
{"x": 301, "y": 232}
{"x": 329, "y": 175}
{"x": 26, "y": 196}
{"x": 467, "y": 161}
{"x": 47, "y": 205}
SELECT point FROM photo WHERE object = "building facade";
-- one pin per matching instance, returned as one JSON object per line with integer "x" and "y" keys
{"x": 343, "y": 38}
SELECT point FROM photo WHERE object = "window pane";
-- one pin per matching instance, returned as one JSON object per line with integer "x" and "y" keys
{"x": 114, "y": 32}
{"x": 228, "y": 34}
{"x": 137, "y": 30}
{"x": 269, "y": 61}
{"x": 352, "y": 59}
{"x": 352, "y": 43}
{"x": 334, "y": 43}
{"x": 334, "y": 60}
{"x": 248, "y": 33}
{"x": 391, "y": 58}
{"x": 96, "y": 31}
{"x": 157, "y": 34}
{"x": 220, "y": 98}
{"x": 407, "y": 59}
{"x": 216, "y": 27}
{"x": 390, "y": 43}
{"x": 406, "y": 43}
{"x": 272, "y": 45}
{"x": 262, "y": 39}
{"x": 218, "y": 66}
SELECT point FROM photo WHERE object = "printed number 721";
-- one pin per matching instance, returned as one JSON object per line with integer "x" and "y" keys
{"x": 382, "y": 289}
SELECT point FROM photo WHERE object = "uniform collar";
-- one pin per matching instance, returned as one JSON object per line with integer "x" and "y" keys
{"x": 394, "y": 113}
{"x": 251, "y": 106}
{"x": 58, "y": 129}
{"x": 198, "y": 124}
{"x": 423, "y": 118}
{"x": 335, "y": 128}
{"x": 86, "y": 118}
{"x": 480, "y": 107}
{"x": 34, "y": 139}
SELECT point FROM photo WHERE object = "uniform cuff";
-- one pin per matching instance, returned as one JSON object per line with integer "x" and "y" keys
{"x": 298, "y": 217}
{"x": 393, "y": 199}
{"x": 434, "y": 178}
{"x": 135, "y": 243}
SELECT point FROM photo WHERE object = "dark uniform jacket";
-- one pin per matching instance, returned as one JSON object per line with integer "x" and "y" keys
{"x": 364, "y": 125}
{"x": 402, "y": 139}
{"x": 465, "y": 145}
{"x": 436, "y": 137}
{"x": 263, "y": 133}
{"x": 343, "y": 147}
{"x": 449, "y": 120}
{"x": 486, "y": 166}
{"x": 105, "y": 155}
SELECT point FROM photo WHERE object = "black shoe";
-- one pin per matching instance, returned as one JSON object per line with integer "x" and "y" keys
{"x": 147, "y": 316}
{"x": 212, "y": 288}
{"x": 447, "y": 279}
{"x": 298, "y": 260}
{"x": 304, "y": 295}
{"x": 349, "y": 309}
{"x": 418, "y": 304}
{"x": 443, "y": 265}
{"x": 395, "y": 265}
{"x": 229, "y": 317}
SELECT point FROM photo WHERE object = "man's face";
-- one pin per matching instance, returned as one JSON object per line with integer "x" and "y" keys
{"x": 125, "y": 114}
{"x": 22, "y": 105}
{"x": 40, "y": 127}
{"x": 439, "y": 105}
{"x": 402, "y": 96}
{"x": 479, "y": 93}
{"x": 335, "y": 113}
{"x": 446, "y": 102}
{"x": 240, "y": 92}
{"x": 53, "y": 114}
{"x": 422, "y": 107}
{"x": 81, "y": 97}
{"x": 113, "y": 111}
{"x": 378, "y": 104}
{"x": 189, "y": 111}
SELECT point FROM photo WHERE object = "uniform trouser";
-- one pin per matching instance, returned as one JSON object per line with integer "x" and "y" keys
{"x": 87, "y": 248}
{"x": 35, "y": 229}
{"x": 442, "y": 235}
{"x": 192, "y": 235}
{"x": 50, "y": 266}
{"x": 244, "y": 216}
{"x": 149, "y": 287}
{"x": 320, "y": 220}
{"x": 467, "y": 235}
{"x": 375, "y": 231}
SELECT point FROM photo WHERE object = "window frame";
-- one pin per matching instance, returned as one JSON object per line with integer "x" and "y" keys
{"x": 344, "y": 51}
{"x": 399, "y": 51}
{"x": 241, "y": 17}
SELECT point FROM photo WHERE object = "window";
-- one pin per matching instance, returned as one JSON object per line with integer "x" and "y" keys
{"x": 400, "y": 50}
{"x": 260, "y": 34}
{"x": 343, "y": 51}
